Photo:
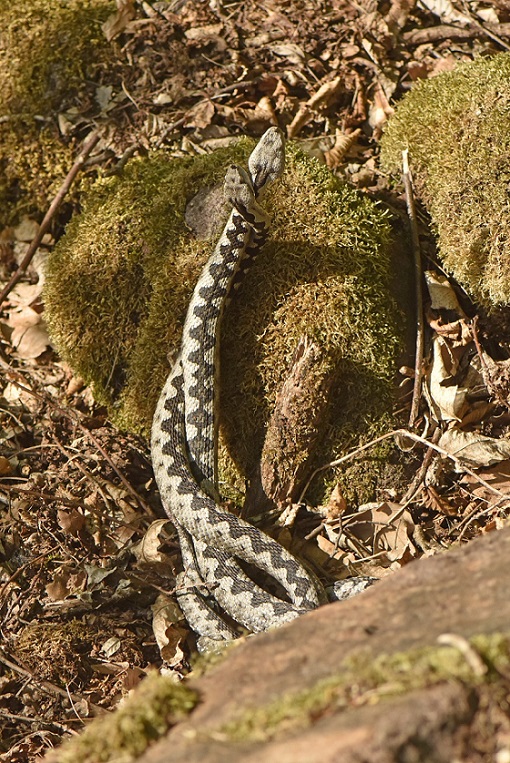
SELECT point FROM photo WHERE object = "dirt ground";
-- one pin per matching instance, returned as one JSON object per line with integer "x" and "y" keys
{"x": 85, "y": 591}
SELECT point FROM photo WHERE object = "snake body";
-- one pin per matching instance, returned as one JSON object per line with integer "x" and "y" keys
{"x": 214, "y": 591}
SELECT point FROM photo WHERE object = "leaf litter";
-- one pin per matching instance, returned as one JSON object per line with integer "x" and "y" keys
{"x": 88, "y": 564}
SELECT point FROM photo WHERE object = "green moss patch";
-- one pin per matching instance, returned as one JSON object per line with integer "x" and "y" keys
{"x": 457, "y": 129}
{"x": 120, "y": 280}
{"x": 367, "y": 680}
{"x": 51, "y": 53}
{"x": 156, "y": 705}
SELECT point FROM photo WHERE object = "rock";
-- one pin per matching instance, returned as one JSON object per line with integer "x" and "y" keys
{"x": 442, "y": 714}
{"x": 456, "y": 128}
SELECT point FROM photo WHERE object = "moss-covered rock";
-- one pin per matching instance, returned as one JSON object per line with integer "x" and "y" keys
{"x": 364, "y": 679}
{"x": 151, "y": 710}
{"x": 457, "y": 129}
{"x": 51, "y": 55}
{"x": 119, "y": 282}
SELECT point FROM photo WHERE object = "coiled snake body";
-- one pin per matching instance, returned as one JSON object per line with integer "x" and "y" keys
{"x": 214, "y": 591}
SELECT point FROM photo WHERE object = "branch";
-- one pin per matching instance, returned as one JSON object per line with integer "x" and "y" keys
{"x": 50, "y": 214}
{"x": 418, "y": 358}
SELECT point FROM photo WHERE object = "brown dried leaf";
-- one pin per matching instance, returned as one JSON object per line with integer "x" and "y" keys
{"x": 448, "y": 402}
{"x": 380, "y": 109}
{"x": 201, "y": 115}
{"x": 442, "y": 295}
{"x": 71, "y": 521}
{"x": 57, "y": 590}
{"x": 343, "y": 144}
{"x": 148, "y": 550}
{"x": 498, "y": 476}
{"x": 385, "y": 527}
{"x": 303, "y": 116}
{"x": 329, "y": 548}
{"x": 168, "y": 634}
{"x": 289, "y": 50}
{"x": 117, "y": 22}
{"x": 325, "y": 94}
{"x": 30, "y": 337}
{"x": 473, "y": 448}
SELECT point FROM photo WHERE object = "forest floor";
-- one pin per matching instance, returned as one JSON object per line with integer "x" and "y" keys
{"x": 84, "y": 605}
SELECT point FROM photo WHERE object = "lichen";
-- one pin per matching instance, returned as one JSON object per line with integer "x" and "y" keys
{"x": 365, "y": 679}
{"x": 457, "y": 129}
{"x": 119, "y": 282}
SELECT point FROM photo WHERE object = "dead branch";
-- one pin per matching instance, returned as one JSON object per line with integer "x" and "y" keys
{"x": 50, "y": 214}
{"x": 47, "y": 686}
{"x": 73, "y": 417}
{"x": 295, "y": 426}
{"x": 447, "y": 32}
{"x": 405, "y": 433}
{"x": 418, "y": 358}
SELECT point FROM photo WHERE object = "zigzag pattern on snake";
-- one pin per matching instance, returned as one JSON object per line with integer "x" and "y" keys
{"x": 214, "y": 589}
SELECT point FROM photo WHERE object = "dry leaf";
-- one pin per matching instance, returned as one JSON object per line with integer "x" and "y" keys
{"x": 329, "y": 548}
{"x": 448, "y": 402}
{"x": 291, "y": 51}
{"x": 200, "y": 115}
{"x": 343, "y": 143}
{"x": 302, "y": 117}
{"x": 336, "y": 505}
{"x": 168, "y": 634}
{"x": 132, "y": 677}
{"x": 148, "y": 550}
{"x": 206, "y": 32}
{"x": 71, "y": 521}
{"x": 29, "y": 337}
{"x": 380, "y": 109}
{"x": 5, "y": 466}
{"x": 441, "y": 293}
{"x": 57, "y": 589}
{"x": 117, "y": 22}
{"x": 111, "y": 646}
{"x": 446, "y": 11}
{"x": 325, "y": 94}
{"x": 474, "y": 449}
{"x": 384, "y": 527}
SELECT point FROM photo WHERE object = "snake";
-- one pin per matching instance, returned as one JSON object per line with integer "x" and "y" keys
{"x": 216, "y": 590}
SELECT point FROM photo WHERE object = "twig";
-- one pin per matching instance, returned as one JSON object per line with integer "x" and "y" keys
{"x": 50, "y": 214}
{"x": 129, "y": 487}
{"x": 72, "y": 416}
{"x": 48, "y": 686}
{"x": 34, "y": 719}
{"x": 419, "y": 477}
{"x": 491, "y": 33}
{"x": 21, "y": 569}
{"x": 418, "y": 359}
{"x": 446, "y": 31}
{"x": 73, "y": 503}
{"x": 411, "y": 435}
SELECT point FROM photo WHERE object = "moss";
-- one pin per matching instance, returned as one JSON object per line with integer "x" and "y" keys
{"x": 51, "y": 56}
{"x": 366, "y": 680}
{"x": 457, "y": 129}
{"x": 58, "y": 652}
{"x": 119, "y": 283}
{"x": 156, "y": 705}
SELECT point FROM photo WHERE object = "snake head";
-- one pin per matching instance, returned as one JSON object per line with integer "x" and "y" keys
{"x": 267, "y": 160}
{"x": 238, "y": 189}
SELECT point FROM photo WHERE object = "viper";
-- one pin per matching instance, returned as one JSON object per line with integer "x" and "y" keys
{"x": 216, "y": 590}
